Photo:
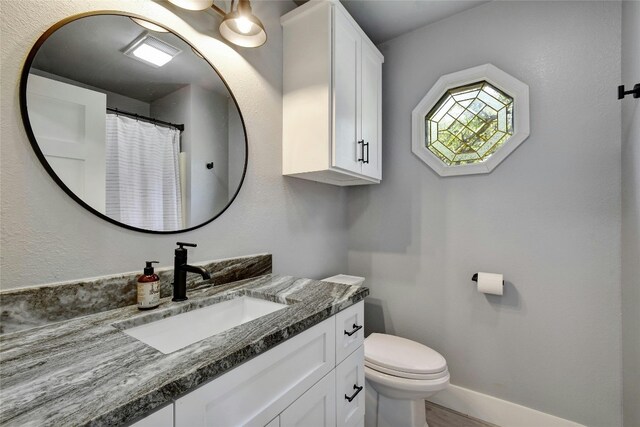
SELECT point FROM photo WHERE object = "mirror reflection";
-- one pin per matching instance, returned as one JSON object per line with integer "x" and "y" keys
{"x": 134, "y": 123}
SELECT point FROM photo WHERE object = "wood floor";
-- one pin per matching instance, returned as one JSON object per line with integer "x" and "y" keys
{"x": 439, "y": 416}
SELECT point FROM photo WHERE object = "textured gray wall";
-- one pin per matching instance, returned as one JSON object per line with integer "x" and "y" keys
{"x": 548, "y": 217}
{"x": 47, "y": 237}
{"x": 631, "y": 215}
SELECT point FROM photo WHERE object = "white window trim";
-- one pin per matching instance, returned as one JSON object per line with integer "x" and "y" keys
{"x": 496, "y": 77}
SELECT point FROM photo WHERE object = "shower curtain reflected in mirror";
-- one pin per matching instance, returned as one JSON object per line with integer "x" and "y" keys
{"x": 142, "y": 174}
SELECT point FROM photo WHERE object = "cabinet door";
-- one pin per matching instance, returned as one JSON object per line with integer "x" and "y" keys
{"x": 371, "y": 109}
{"x": 346, "y": 91}
{"x": 315, "y": 408}
{"x": 350, "y": 394}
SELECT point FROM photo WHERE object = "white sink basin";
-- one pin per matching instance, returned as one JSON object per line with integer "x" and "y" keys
{"x": 176, "y": 332}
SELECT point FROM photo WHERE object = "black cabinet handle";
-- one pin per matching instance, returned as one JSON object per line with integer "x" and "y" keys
{"x": 367, "y": 145}
{"x": 356, "y": 328}
{"x": 353, "y": 396}
{"x": 361, "y": 159}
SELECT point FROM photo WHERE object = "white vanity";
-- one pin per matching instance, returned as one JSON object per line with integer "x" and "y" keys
{"x": 300, "y": 362}
{"x": 312, "y": 379}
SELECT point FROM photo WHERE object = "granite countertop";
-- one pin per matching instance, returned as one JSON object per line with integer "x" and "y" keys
{"x": 86, "y": 371}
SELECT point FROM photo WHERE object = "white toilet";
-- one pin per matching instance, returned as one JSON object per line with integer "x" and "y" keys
{"x": 400, "y": 374}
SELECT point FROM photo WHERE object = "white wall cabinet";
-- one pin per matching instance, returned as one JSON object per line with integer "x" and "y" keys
{"x": 332, "y": 97}
{"x": 315, "y": 378}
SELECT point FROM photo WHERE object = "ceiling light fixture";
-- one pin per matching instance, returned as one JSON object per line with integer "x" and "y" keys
{"x": 239, "y": 26}
{"x": 151, "y": 50}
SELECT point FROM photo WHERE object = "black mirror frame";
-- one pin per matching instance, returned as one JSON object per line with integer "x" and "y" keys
{"x": 36, "y": 148}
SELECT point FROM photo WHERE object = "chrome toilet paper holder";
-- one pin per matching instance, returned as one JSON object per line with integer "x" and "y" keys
{"x": 475, "y": 278}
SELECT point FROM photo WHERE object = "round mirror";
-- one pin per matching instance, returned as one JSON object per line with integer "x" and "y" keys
{"x": 133, "y": 123}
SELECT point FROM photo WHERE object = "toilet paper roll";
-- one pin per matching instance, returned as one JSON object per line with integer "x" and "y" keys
{"x": 490, "y": 283}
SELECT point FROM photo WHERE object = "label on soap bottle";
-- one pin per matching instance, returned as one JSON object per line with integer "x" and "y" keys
{"x": 148, "y": 294}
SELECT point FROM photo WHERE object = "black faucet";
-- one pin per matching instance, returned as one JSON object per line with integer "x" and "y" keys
{"x": 180, "y": 268}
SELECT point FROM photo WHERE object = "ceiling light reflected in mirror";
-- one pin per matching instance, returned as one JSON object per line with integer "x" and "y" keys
{"x": 151, "y": 50}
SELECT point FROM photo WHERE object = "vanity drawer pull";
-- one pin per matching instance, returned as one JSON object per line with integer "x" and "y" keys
{"x": 353, "y": 396}
{"x": 356, "y": 328}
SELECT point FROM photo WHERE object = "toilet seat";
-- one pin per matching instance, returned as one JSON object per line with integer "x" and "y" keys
{"x": 404, "y": 388}
{"x": 407, "y": 375}
{"x": 403, "y": 358}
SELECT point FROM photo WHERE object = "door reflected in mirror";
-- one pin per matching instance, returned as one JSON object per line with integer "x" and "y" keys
{"x": 134, "y": 124}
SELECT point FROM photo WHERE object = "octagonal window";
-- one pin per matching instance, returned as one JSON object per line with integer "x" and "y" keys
{"x": 469, "y": 123}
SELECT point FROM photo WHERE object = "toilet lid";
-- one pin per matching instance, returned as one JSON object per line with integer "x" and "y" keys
{"x": 407, "y": 375}
{"x": 402, "y": 355}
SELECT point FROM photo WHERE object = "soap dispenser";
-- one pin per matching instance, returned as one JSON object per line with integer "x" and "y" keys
{"x": 148, "y": 288}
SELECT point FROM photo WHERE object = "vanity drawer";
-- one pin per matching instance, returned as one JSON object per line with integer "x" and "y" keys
{"x": 349, "y": 330}
{"x": 350, "y": 383}
{"x": 256, "y": 392}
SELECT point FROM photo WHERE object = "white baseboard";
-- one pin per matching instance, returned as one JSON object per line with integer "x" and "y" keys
{"x": 496, "y": 411}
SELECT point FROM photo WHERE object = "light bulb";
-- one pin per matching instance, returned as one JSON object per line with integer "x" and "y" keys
{"x": 244, "y": 25}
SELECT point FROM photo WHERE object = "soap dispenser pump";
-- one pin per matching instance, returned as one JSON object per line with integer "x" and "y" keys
{"x": 148, "y": 288}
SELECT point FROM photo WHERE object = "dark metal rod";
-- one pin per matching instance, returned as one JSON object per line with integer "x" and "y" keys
{"x": 353, "y": 396}
{"x": 180, "y": 127}
{"x": 218, "y": 10}
{"x": 635, "y": 91}
{"x": 355, "y": 329}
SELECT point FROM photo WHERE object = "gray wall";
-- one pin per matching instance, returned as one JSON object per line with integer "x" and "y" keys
{"x": 210, "y": 143}
{"x": 548, "y": 217}
{"x": 631, "y": 215}
{"x": 47, "y": 237}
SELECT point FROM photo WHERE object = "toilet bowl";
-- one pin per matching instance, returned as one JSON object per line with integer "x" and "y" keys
{"x": 400, "y": 374}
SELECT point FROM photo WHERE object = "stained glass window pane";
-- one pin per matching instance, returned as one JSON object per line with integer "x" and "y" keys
{"x": 469, "y": 123}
